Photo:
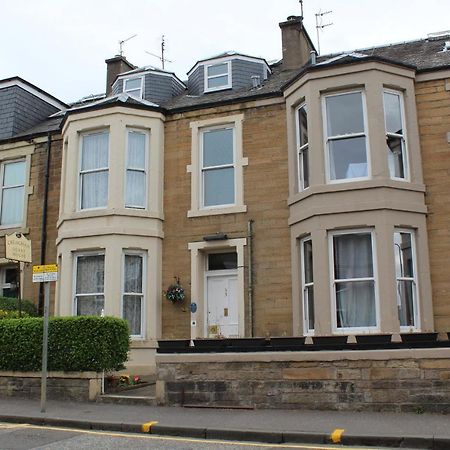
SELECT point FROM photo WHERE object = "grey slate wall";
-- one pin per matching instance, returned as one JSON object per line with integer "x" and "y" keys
{"x": 21, "y": 110}
{"x": 241, "y": 72}
{"x": 117, "y": 87}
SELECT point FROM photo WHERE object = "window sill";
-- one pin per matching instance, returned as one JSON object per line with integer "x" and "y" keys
{"x": 217, "y": 211}
{"x": 4, "y": 230}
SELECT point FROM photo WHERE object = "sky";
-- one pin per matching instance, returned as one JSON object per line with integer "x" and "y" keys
{"x": 61, "y": 45}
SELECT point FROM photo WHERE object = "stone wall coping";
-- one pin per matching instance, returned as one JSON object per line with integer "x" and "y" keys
{"x": 56, "y": 374}
{"x": 419, "y": 353}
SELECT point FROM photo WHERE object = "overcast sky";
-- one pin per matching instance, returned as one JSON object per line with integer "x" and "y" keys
{"x": 61, "y": 45}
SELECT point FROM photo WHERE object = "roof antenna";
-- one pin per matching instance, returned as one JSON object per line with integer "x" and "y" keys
{"x": 320, "y": 25}
{"x": 161, "y": 58}
{"x": 123, "y": 42}
{"x": 301, "y": 8}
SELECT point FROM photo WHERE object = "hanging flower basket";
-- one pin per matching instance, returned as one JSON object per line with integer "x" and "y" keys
{"x": 175, "y": 292}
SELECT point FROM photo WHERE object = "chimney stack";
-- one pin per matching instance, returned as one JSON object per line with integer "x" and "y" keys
{"x": 114, "y": 67}
{"x": 296, "y": 43}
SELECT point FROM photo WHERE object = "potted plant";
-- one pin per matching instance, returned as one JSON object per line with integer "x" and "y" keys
{"x": 373, "y": 338}
{"x": 418, "y": 337}
{"x": 330, "y": 340}
{"x": 175, "y": 292}
{"x": 287, "y": 342}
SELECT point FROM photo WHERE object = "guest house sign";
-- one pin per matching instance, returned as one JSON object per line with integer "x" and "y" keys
{"x": 18, "y": 247}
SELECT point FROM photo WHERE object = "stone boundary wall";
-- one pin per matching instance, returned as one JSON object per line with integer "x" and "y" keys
{"x": 373, "y": 380}
{"x": 80, "y": 386}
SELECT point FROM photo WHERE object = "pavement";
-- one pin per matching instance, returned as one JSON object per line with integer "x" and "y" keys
{"x": 400, "y": 430}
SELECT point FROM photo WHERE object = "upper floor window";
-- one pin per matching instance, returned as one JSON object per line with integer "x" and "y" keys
{"x": 306, "y": 251}
{"x": 12, "y": 192}
{"x": 218, "y": 76}
{"x": 346, "y": 136}
{"x": 133, "y": 86}
{"x": 90, "y": 284}
{"x": 406, "y": 278}
{"x": 217, "y": 167}
{"x": 94, "y": 170}
{"x": 136, "y": 169}
{"x": 395, "y": 134}
{"x": 302, "y": 147}
{"x": 353, "y": 280}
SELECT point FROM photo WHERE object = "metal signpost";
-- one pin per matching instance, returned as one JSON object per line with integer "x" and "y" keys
{"x": 45, "y": 274}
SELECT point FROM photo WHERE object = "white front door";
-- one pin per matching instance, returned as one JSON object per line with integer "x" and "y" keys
{"x": 222, "y": 306}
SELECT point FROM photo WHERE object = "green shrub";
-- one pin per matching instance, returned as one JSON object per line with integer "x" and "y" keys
{"x": 12, "y": 314}
{"x": 12, "y": 304}
{"x": 84, "y": 343}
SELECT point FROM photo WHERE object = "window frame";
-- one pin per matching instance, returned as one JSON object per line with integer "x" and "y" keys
{"x": 415, "y": 280}
{"x": 74, "y": 279}
{"x": 141, "y": 88}
{"x": 208, "y": 77}
{"x": 402, "y": 137}
{"x": 300, "y": 150}
{"x": 326, "y": 138}
{"x": 102, "y": 169}
{"x": 145, "y": 170}
{"x": 3, "y": 283}
{"x": 143, "y": 255}
{"x": 307, "y": 331}
{"x": 333, "y": 296}
{"x": 202, "y": 169}
{"x": 2, "y": 188}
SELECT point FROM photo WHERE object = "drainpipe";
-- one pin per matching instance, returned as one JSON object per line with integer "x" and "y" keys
{"x": 250, "y": 275}
{"x": 44, "y": 221}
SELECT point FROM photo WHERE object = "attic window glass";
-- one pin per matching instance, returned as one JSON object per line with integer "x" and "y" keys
{"x": 133, "y": 87}
{"x": 346, "y": 136}
{"x": 218, "y": 76}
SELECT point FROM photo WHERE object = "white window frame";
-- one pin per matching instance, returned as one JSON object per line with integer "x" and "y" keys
{"x": 143, "y": 255}
{"x": 306, "y": 330}
{"x": 101, "y": 169}
{"x": 206, "y": 77}
{"x": 203, "y": 170}
{"x": 74, "y": 279}
{"x": 3, "y": 283}
{"x": 353, "y": 330}
{"x": 140, "y": 89}
{"x": 301, "y": 150}
{"x": 402, "y": 137}
{"x": 327, "y": 138}
{"x": 2, "y": 188}
{"x": 145, "y": 170}
{"x": 414, "y": 280}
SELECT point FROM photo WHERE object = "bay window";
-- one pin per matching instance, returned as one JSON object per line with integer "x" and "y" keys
{"x": 94, "y": 170}
{"x": 302, "y": 147}
{"x": 133, "y": 293}
{"x": 406, "y": 278}
{"x": 89, "y": 284}
{"x": 308, "y": 284}
{"x": 136, "y": 169}
{"x": 217, "y": 167}
{"x": 395, "y": 134}
{"x": 353, "y": 280}
{"x": 12, "y": 192}
{"x": 346, "y": 136}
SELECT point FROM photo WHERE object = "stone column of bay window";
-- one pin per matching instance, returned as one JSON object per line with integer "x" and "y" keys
{"x": 116, "y": 163}
{"x": 113, "y": 288}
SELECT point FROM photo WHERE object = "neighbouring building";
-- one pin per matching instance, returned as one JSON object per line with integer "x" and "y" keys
{"x": 306, "y": 197}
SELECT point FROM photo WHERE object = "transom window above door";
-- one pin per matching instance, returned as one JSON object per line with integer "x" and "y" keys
{"x": 346, "y": 136}
{"x": 222, "y": 261}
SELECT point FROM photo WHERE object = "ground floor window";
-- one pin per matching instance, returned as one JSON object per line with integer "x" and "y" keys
{"x": 353, "y": 280}
{"x": 406, "y": 278}
{"x": 133, "y": 292}
{"x": 308, "y": 284}
{"x": 89, "y": 284}
{"x": 9, "y": 281}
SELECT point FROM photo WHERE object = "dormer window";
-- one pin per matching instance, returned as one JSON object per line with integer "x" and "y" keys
{"x": 218, "y": 76}
{"x": 133, "y": 86}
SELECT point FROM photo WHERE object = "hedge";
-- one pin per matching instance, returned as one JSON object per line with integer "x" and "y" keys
{"x": 12, "y": 314}
{"x": 12, "y": 304}
{"x": 84, "y": 343}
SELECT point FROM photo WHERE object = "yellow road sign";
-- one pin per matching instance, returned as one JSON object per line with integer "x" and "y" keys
{"x": 42, "y": 274}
